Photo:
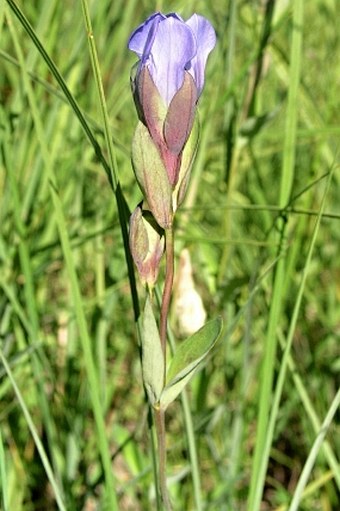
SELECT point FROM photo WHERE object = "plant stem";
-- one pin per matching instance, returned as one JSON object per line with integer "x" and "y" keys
{"x": 169, "y": 278}
{"x": 160, "y": 428}
{"x": 159, "y": 413}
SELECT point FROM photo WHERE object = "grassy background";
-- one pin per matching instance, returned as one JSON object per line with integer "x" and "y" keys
{"x": 261, "y": 222}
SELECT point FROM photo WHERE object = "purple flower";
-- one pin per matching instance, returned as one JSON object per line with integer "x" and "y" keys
{"x": 167, "y": 82}
{"x": 168, "y": 47}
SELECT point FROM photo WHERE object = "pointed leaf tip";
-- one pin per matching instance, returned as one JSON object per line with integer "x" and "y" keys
{"x": 187, "y": 358}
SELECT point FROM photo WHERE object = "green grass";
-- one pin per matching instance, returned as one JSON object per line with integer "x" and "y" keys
{"x": 261, "y": 222}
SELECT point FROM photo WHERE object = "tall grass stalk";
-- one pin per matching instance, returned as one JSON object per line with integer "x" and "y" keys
{"x": 294, "y": 506}
{"x": 270, "y": 344}
{"x": 37, "y": 440}
{"x": 288, "y": 345}
{"x": 77, "y": 298}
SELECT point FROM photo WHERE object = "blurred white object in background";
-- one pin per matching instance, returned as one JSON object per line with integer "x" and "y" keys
{"x": 188, "y": 305}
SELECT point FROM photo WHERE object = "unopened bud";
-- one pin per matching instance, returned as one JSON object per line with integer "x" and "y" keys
{"x": 152, "y": 176}
{"x": 146, "y": 245}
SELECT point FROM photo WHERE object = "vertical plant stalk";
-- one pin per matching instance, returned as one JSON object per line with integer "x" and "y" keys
{"x": 261, "y": 455}
{"x": 159, "y": 413}
{"x": 169, "y": 279}
{"x": 161, "y": 443}
{"x": 163, "y": 149}
{"x": 84, "y": 336}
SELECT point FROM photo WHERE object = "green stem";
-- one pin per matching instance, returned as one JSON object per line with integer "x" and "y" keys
{"x": 161, "y": 441}
{"x": 159, "y": 413}
{"x": 154, "y": 452}
{"x": 169, "y": 278}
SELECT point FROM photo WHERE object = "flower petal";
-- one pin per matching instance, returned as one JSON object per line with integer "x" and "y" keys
{"x": 173, "y": 47}
{"x": 206, "y": 40}
{"x": 142, "y": 38}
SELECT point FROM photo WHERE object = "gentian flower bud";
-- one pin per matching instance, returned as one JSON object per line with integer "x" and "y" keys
{"x": 146, "y": 245}
{"x": 166, "y": 84}
{"x": 152, "y": 176}
{"x": 168, "y": 47}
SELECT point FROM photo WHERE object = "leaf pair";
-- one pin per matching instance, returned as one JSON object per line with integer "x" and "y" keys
{"x": 184, "y": 364}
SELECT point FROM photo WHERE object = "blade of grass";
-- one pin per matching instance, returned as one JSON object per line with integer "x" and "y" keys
{"x": 192, "y": 449}
{"x": 62, "y": 84}
{"x": 267, "y": 371}
{"x": 35, "y": 435}
{"x": 314, "y": 452}
{"x": 74, "y": 283}
{"x": 122, "y": 211}
{"x": 100, "y": 89}
{"x": 31, "y": 305}
{"x": 3, "y": 477}
{"x": 310, "y": 410}
{"x": 284, "y": 363}
{"x": 2, "y": 13}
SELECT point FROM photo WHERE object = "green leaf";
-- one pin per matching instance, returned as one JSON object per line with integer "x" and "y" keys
{"x": 152, "y": 356}
{"x": 187, "y": 358}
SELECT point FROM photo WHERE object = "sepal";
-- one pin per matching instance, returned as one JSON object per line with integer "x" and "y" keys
{"x": 180, "y": 116}
{"x": 187, "y": 160}
{"x": 151, "y": 105}
{"x": 152, "y": 176}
